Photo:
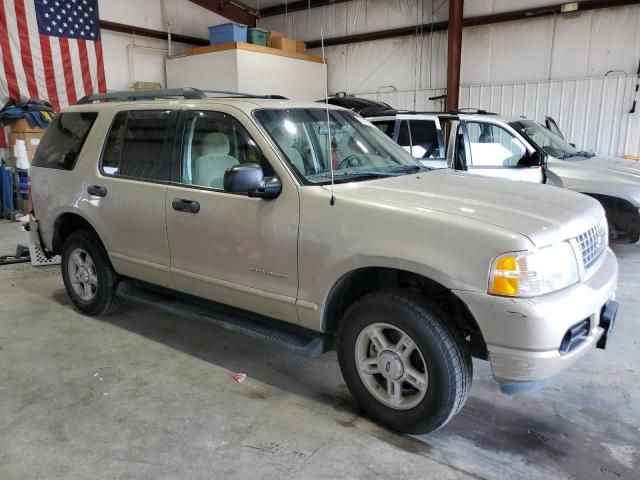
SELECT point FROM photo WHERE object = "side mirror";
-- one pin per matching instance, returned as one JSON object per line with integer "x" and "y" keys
{"x": 249, "y": 178}
{"x": 573, "y": 145}
{"x": 535, "y": 159}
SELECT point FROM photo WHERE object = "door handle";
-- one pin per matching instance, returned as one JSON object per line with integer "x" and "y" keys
{"x": 182, "y": 205}
{"x": 97, "y": 190}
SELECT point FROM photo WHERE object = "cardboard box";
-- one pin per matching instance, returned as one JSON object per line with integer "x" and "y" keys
{"x": 273, "y": 34}
{"x": 284, "y": 43}
{"x": 147, "y": 86}
{"x": 301, "y": 47}
{"x": 31, "y": 139}
{"x": 22, "y": 125}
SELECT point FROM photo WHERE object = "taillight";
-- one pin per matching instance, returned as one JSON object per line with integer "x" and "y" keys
{"x": 30, "y": 203}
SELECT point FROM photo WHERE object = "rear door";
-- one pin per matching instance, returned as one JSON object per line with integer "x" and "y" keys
{"x": 491, "y": 149}
{"x": 421, "y": 135}
{"x": 128, "y": 195}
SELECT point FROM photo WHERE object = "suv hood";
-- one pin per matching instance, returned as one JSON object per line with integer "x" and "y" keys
{"x": 542, "y": 213}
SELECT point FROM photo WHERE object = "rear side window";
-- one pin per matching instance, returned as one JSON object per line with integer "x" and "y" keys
{"x": 424, "y": 139}
{"x": 139, "y": 145}
{"x": 386, "y": 126}
{"x": 63, "y": 141}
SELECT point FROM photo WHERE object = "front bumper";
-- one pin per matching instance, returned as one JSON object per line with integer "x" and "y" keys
{"x": 524, "y": 335}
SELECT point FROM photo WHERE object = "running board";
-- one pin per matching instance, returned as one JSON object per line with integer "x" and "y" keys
{"x": 291, "y": 337}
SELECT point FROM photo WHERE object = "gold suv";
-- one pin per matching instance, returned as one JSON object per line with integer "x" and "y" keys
{"x": 305, "y": 225}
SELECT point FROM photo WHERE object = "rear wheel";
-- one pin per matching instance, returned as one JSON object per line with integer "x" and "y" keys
{"x": 402, "y": 362}
{"x": 88, "y": 276}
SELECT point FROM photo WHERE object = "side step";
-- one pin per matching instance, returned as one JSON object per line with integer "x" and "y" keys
{"x": 291, "y": 337}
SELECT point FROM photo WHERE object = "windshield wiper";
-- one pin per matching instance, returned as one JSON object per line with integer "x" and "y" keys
{"x": 407, "y": 168}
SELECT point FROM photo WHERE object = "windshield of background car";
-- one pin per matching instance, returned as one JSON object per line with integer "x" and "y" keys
{"x": 314, "y": 142}
{"x": 547, "y": 141}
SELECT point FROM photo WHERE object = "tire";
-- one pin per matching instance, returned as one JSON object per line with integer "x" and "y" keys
{"x": 634, "y": 237}
{"x": 84, "y": 248}
{"x": 426, "y": 402}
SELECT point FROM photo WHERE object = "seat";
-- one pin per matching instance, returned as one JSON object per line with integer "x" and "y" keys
{"x": 215, "y": 160}
{"x": 285, "y": 141}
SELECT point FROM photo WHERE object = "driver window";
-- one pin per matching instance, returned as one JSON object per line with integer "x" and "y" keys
{"x": 213, "y": 143}
{"x": 493, "y": 147}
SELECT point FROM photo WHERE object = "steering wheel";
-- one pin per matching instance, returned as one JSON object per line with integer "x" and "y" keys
{"x": 352, "y": 160}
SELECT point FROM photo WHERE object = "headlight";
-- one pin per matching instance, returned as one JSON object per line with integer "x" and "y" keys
{"x": 529, "y": 274}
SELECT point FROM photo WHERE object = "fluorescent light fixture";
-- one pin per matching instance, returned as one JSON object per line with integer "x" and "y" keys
{"x": 569, "y": 7}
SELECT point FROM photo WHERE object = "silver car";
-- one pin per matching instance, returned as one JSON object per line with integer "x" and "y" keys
{"x": 517, "y": 148}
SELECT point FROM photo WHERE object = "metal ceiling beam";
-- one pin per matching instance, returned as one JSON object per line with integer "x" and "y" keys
{"x": 297, "y": 6}
{"x": 585, "y": 5}
{"x": 150, "y": 33}
{"x": 454, "y": 53}
{"x": 233, "y": 10}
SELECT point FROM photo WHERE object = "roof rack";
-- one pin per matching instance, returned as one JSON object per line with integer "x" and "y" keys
{"x": 472, "y": 111}
{"x": 186, "y": 93}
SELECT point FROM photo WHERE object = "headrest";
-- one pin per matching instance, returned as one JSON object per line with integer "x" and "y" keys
{"x": 283, "y": 138}
{"x": 215, "y": 144}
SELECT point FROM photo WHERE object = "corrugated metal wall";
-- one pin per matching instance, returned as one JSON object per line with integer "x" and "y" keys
{"x": 592, "y": 112}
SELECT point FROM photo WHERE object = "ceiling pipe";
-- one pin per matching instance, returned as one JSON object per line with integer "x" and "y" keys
{"x": 585, "y": 5}
{"x": 297, "y": 6}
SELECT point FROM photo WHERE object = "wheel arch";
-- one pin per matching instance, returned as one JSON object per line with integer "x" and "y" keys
{"x": 361, "y": 281}
{"x": 65, "y": 224}
{"x": 620, "y": 212}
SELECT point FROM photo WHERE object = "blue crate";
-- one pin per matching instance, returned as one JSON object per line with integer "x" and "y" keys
{"x": 227, "y": 32}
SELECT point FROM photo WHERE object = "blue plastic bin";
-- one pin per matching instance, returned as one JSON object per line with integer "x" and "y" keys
{"x": 227, "y": 32}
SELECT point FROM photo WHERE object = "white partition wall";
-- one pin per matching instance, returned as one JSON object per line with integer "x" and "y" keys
{"x": 252, "y": 72}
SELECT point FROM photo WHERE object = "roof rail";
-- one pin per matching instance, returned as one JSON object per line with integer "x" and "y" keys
{"x": 472, "y": 111}
{"x": 127, "y": 95}
{"x": 186, "y": 93}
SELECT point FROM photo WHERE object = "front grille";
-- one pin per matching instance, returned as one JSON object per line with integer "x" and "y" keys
{"x": 592, "y": 244}
{"x": 575, "y": 336}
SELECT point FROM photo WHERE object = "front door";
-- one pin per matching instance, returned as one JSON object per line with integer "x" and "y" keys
{"x": 228, "y": 247}
{"x": 493, "y": 151}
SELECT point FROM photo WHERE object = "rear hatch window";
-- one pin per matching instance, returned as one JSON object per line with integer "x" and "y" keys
{"x": 63, "y": 140}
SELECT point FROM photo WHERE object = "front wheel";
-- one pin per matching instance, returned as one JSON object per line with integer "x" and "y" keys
{"x": 403, "y": 362}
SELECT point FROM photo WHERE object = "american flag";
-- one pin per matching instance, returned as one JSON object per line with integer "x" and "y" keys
{"x": 50, "y": 49}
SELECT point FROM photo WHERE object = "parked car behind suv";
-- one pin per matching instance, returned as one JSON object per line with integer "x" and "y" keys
{"x": 518, "y": 148}
{"x": 306, "y": 226}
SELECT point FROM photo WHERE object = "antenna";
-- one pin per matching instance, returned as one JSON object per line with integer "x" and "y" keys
{"x": 332, "y": 202}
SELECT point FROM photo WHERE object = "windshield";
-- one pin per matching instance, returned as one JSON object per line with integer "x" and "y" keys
{"x": 548, "y": 142}
{"x": 355, "y": 148}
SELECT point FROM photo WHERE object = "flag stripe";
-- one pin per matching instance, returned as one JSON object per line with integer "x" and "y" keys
{"x": 67, "y": 70}
{"x": 14, "y": 43}
{"x": 7, "y": 57}
{"x": 4, "y": 88}
{"x": 76, "y": 66}
{"x": 102, "y": 83}
{"x": 58, "y": 69}
{"x": 93, "y": 65}
{"x": 36, "y": 52}
{"x": 84, "y": 67}
{"x": 25, "y": 48}
{"x": 49, "y": 74}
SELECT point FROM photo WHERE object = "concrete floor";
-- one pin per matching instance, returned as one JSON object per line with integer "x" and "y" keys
{"x": 144, "y": 395}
